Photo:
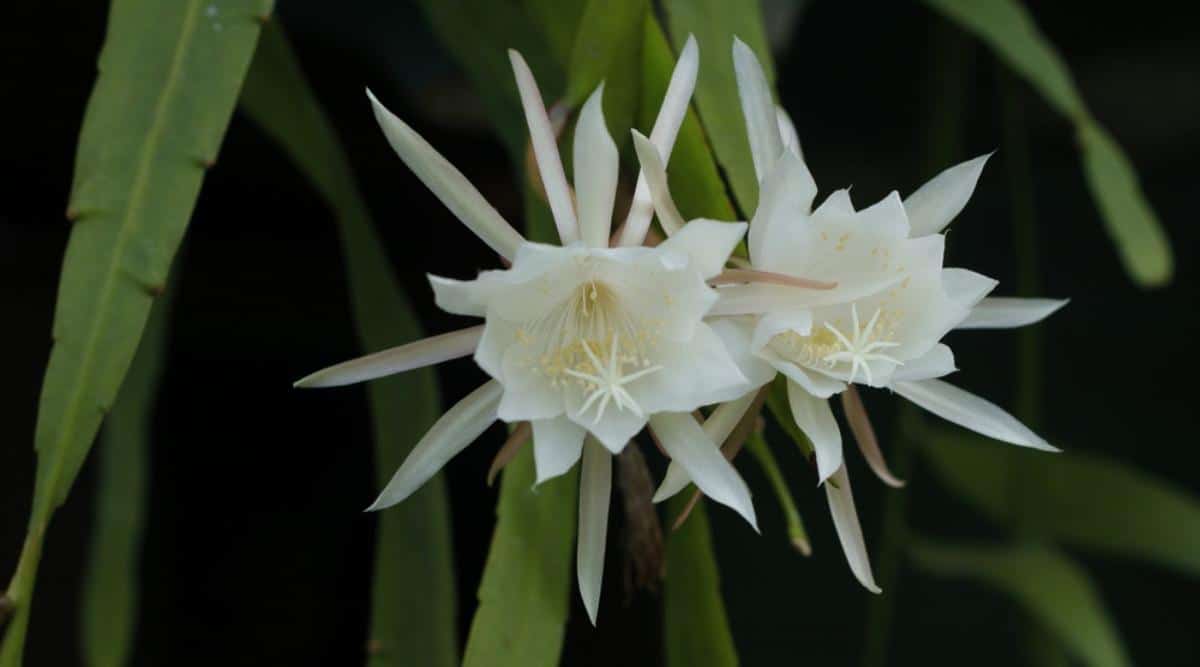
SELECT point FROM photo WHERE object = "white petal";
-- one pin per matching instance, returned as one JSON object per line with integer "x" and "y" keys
{"x": 556, "y": 446}
{"x": 461, "y": 297}
{"x": 614, "y": 430}
{"x": 774, "y": 323}
{"x": 784, "y": 202}
{"x": 499, "y": 336}
{"x": 717, "y": 427}
{"x": 845, "y": 521}
{"x": 686, "y": 443}
{"x": 595, "y": 490}
{"x": 596, "y": 170}
{"x": 935, "y": 363}
{"x": 758, "y": 108}
{"x": 966, "y": 288}
{"x": 707, "y": 243}
{"x": 761, "y": 298}
{"x": 456, "y": 429}
{"x": 545, "y": 151}
{"x": 815, "y": 418}
{"x": 837, "y": 204}
{"x": 935, "y": 204}
{"x": 656, "y": 180}
{"x": 970, "y": 411}
{"x": 694, "y": 373}
{"x": 447, "y": 183}
{"x": 662, "y": 135}
{"x": 736, "y": 334}
{"x": 424, "y": 352}
{"x": 1009, "y": 313}
{"x": 787, "y": 132}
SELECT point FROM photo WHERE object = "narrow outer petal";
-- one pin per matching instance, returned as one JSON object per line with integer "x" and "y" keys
{"x": 717, "y": 427}
{"x": 815, "y": 418}
{"x": 787, "y": 132}
{"x": 662, "y": 136}
{"x": 685, "y": 442}
{"x": 556, "y": 446}
{"x": 451, "y": 434}
{"x": 596, "y": 167}
{"x": 424, "y": 352}
{"x": 845, "y": 521}
{"x": 656, "y": 180}
{"x": 595, "y": 489}
{"x": 1009, "y": 313}
{"x": 970, "y": 411}
{"x": 932, "y": 207}
{"x": 545, "y": 150}
{"x": 448, "y": 184}
{"x": 758, "y": 108}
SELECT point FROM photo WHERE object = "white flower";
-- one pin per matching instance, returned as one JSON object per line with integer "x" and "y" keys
{"x": 587, "y": 342}
{"x": 880, "y": 324}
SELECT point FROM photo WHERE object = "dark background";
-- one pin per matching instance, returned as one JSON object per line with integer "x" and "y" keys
{"x": 257, "y": 551}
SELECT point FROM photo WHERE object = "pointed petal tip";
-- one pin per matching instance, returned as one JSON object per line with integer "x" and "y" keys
{"x": 802, "y": 545}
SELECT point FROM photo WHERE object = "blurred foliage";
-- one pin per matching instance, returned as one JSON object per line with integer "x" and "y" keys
{"x": 1007, "y": 28}
{"x": 413, "y": 591}
{"x": 696, "y": 631}
{"x": 169, "y": 77}
{"x": 112, "y": 577}
{"x": 1047, "y": 584}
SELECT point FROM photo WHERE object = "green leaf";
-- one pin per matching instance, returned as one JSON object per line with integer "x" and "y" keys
{"x": 1008, "y": 29}
{"x": 413, "y": 615}
{"x": 558, "y": 21}
{"x": 715, "y": 23}
{"x": 110, "y": 579}
{"x": 1047, "y": 584}
{"x": 169, "y": 78}
{"x": 695, "y": 181}
{"x": 523, "y": 599}
{"x": 697, "y": 628}
{"x": 1074, "y": 497}
{"x": 608, "y": 49}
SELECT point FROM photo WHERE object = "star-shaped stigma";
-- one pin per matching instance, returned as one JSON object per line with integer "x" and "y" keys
{"x": 860, "y": 349}
{"x": 608, "y": 382}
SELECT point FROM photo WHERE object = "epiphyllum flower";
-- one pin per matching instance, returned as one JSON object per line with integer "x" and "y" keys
{"x": 882, "y": 322}
{"x": 585, "y": 341}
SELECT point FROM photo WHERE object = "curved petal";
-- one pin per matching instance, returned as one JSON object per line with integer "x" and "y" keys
{"x": 595, "y": 490}
{"x": 934, "y": 205}
{"x": 498, "y": 337}
{"x": 556, "y": 446}
{"x": 694, "y": 373}
{"x": 461, "y": 297}
{"x": 662, "y": 136}
{"x": 685, "y": 442}
{"x": 717, "y": 427}
{"x": 596, "y": 167}
{"x": 456, "y": 429}
{"x": 707, "y": 243}
{"x": 1010, "y": 313}
{"x": 966, "y": 288}
{"x": 970, "y": 411}
{"x": 815, "y": 418}
{"x": 736, "y": 336}
{"x": 545, "y": 151}
{"x": 656, "y": 180}
{"x": 447, "y": 183}
{"x": 787, "y": 132}
{"x": 784, "y": 202}
{"x": 424, "y": 352}
{"x": 864, "y": 436}
{"x": 758, "y": 108}
{"x": 845, "y": 522}
{"x": 935, "y": 363}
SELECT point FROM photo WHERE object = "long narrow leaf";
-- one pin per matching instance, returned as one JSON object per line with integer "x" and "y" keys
{"x": 696, "y": 631}
{"x": 1080, "y": 499}
{"x": 523, "y": 599}
{"x": 1008, "y": 29}
{"x": 715, "y": 23}
{"x": 169, "y": 77}
{"x": 1047, "y": 584}
{"x": 608, "y": 50}
{"x": 110, "y": 583}
{"x": 413, "y": 593}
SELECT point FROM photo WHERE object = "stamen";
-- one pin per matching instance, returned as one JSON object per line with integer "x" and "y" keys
{"x": 608, "y": 382}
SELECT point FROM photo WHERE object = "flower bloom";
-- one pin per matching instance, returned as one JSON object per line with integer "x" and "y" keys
{"x": 882, "y": 321}
{"x": 586, "y": 342}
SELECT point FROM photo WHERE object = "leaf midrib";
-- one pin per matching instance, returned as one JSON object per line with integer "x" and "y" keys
{"x": 134, "y": 211}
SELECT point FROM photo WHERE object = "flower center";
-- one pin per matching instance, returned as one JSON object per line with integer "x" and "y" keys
{"x": 829, "y": 345}
{"x": 591, "y": 341}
